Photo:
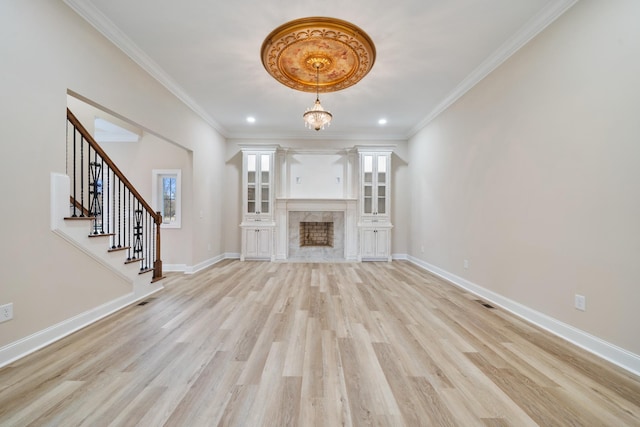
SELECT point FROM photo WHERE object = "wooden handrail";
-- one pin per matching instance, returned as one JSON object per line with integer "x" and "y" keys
{"x": 92, "y": 142}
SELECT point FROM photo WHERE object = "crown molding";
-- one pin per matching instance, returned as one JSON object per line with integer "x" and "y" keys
{"x": 318, "y": 136}
{"x": 107, "y": 28}
{"x": 500, "y": 55}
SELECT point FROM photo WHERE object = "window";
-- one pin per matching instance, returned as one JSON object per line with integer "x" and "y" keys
{"x": 166, "y": 196}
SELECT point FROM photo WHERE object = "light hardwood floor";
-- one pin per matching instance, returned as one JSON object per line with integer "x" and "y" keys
{"x": 277, "y": 344}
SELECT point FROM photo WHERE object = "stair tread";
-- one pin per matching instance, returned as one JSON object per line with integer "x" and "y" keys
{"x": 157, "y": 279}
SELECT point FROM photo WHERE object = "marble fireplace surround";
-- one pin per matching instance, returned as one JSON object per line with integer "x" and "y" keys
{"x": 290, "y": 212}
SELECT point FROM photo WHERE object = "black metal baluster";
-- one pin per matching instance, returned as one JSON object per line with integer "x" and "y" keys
{"x": 89, "y": 213}
{"x": 131, "y": 209}
{"x": 114, "y": 212}
{"x": 101, "y": 195}
{"x": 75, "y": 133}
{"x": 95, "y": 170}
{"x": 149, "y": 240}
{"x": 124, "y": 217}
{"x": 146, "y": 241}
{"x": 137, "y": 245}
{"x": 88, "y": 189}
{"x": 119, "y": 213}
{"x": 107, "y": 206}
{"x": 66, "y": 150}
{"x": 81, "y": 176}
{"x": 152, "y": 235}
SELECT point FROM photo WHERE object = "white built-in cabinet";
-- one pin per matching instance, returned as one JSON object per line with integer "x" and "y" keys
{"x": 257, "y": 203}
{"x": 258, "y": 242}
{"x": 374, "y": 242}
{"x": 374, "y": 221}
{"x": 309, "y": 180}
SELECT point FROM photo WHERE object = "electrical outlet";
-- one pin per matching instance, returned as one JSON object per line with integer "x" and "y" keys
{"x": 422, "y": 248}
{"x": 580, "y": 302}
{"x": 466, "y": 263}
{"x": 6, "y": 312}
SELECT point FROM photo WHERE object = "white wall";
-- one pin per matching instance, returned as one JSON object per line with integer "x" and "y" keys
{"x": 232, "y": 214}
{"x": 533, "y": 175}
{"x": 318, "y": 176}
{"x": 50, "y": 50}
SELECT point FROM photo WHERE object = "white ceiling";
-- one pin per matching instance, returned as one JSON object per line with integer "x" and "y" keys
{"x": 429, "y": 52}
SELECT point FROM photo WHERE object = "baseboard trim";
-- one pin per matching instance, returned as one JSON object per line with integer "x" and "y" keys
{"x": 174, "y": 268}
{"x": 32, "y": 343}
{"x": 41, "y": 339}
{"x": 193, "y": 269}
{"x": 603, "y": 349}
{"x": 204, "y": 264}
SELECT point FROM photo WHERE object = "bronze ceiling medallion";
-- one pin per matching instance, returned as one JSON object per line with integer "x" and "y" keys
{"x": 336, "y": 52}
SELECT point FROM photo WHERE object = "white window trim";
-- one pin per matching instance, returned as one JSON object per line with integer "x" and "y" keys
{"x": 156, "y": 175}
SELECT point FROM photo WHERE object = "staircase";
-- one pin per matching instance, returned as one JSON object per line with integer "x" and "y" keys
{"x": 97, "y": 209}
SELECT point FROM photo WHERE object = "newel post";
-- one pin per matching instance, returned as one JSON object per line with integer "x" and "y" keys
{"x": 157, "y": 264}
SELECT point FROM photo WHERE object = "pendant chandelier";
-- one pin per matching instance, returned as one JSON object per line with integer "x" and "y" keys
{"x": 296, "y": 53}
{"x": 317, "y": 117}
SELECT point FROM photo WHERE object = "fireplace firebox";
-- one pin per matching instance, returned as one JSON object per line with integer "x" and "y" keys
{"x": 316, "y": 234}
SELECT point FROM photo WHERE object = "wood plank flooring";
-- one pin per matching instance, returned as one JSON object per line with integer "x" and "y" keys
{"x": 343, "y": 344}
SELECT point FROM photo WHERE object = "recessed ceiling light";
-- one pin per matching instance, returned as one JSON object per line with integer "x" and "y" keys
{"x": 382, "y": 121}
{"x": 251, "y": 119}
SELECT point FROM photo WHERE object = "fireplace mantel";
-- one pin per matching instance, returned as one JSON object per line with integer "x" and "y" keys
{"x": 286, "y": 205}
{"x": 308, "y": 204}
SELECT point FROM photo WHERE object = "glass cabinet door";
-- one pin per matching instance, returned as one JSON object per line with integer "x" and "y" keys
{"x": 381, "y": 188}
{"x": 375, "y": 180}
{"x": 251, "y": 183}
{"x": 367, "y": 184}
{"x": 265, "y": 161}
{"x": 258, "y": 181}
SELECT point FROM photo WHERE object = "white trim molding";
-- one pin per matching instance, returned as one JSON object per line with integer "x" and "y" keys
{"x": 25, "y": 346}
{"x": 108, "y": 29}
{"x": 504, "y": 52}
{"x": 157, "y": 194}
{"x": 610, "y": 352}
{"x": 193, "y": 269}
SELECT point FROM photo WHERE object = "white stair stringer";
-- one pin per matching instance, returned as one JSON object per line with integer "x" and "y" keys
{"x": 77, "y": 233}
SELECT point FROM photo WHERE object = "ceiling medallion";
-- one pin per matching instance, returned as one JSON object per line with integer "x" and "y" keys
{"x": 318, "y": 54}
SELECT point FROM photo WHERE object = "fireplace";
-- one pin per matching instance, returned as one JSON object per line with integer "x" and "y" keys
{"x": 332, "y": 230}
{"x": 316, "y": 234}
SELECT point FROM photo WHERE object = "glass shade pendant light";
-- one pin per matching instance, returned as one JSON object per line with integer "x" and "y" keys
{"x": 317, "y": 117}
